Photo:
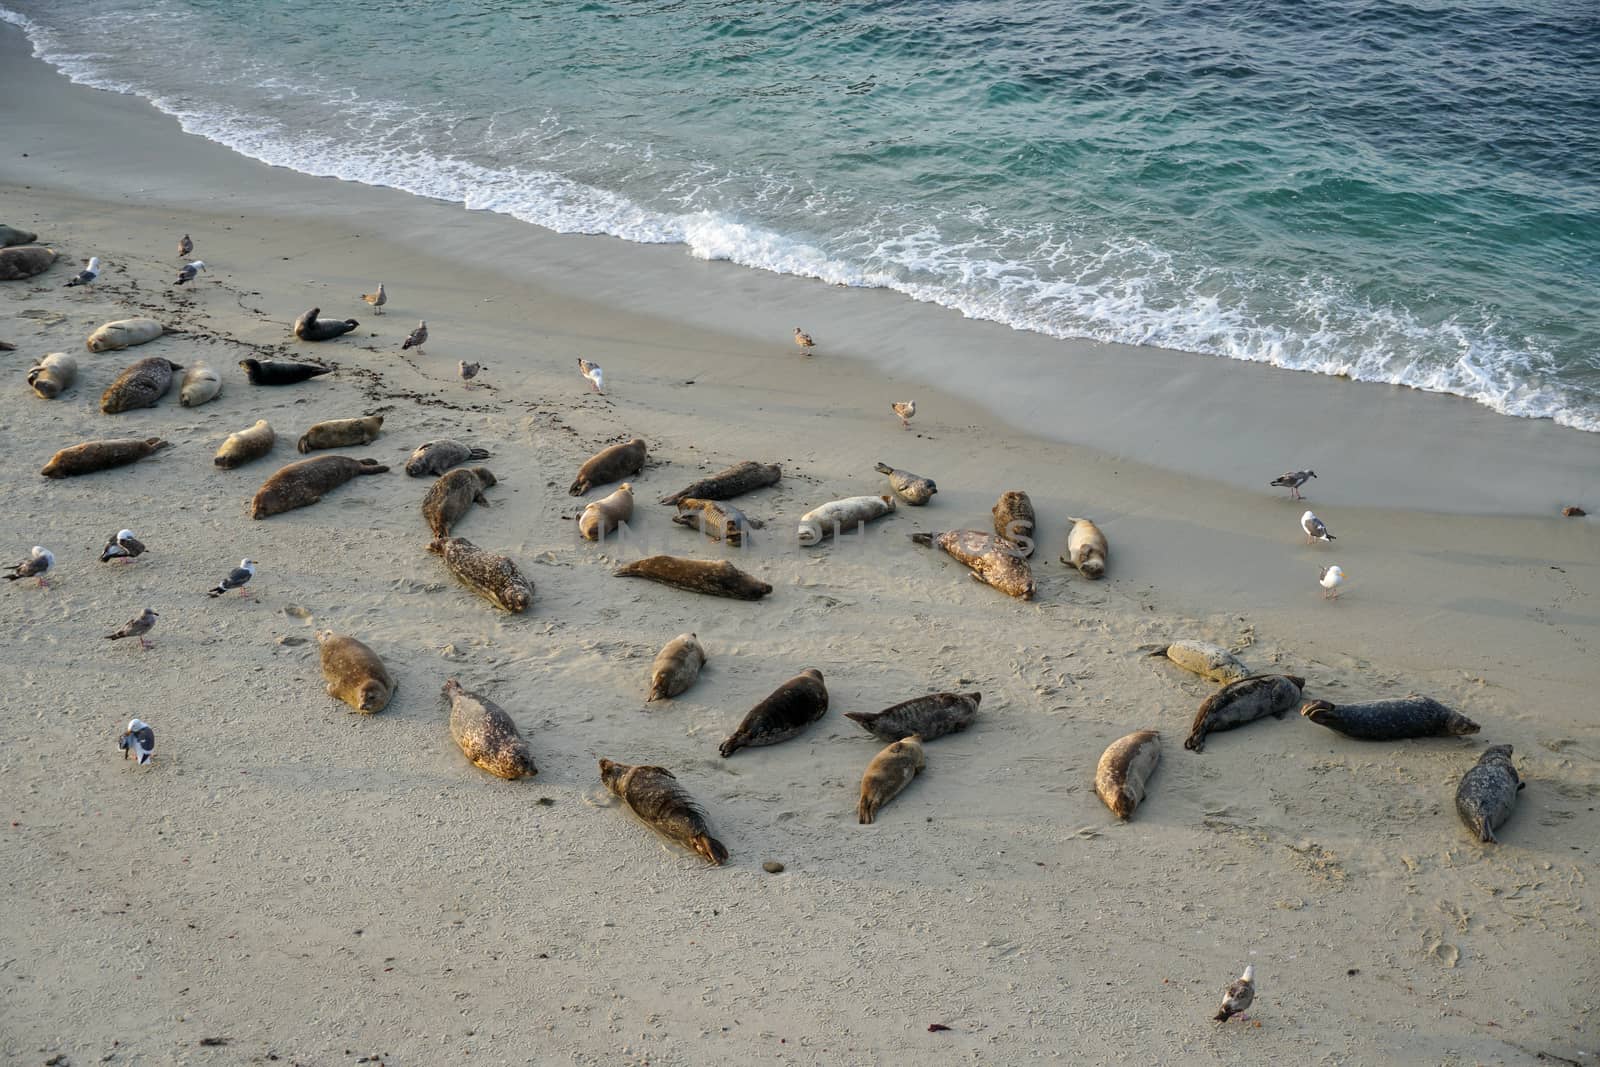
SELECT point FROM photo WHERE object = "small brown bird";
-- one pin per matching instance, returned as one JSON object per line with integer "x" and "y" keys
{"x": 136, "y": 627}
{"x": 1237, "y": 1000}
{"x": 124, "y": 546}
{"x": 36, "y": 565}
{"x": 905, "y": 409}
{"x": 804, "y": 340}
{"x": 469, "y": 371}
{"x": 377, "y": 300}
{"x": 418, "y": 338}
{"x": 185, "y": 246}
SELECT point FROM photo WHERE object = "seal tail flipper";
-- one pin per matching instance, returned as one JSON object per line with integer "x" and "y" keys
{"x": 865, "y": 812}
{"x": 711, "y": 849}
{"x": 578, "y": 488}
{"x": 371, "y": 466}
{"x": 865, "y": 718}
{"x": 730, "y": 746}
{"x": 1486, "y": 832}
{"x": 1196, "y": 741}
{"x": 883, "y": 468}
{"x": 478, "y": 453}
{"x": 922, "y": 538}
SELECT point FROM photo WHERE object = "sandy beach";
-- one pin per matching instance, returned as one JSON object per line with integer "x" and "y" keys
{"x": 317, "y": 887}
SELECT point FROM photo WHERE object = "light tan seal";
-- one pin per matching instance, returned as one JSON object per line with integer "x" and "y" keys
{"x": 1206, "y": 660}
{"x": 200, "y": 384}
{"x": 301, "y": 484}
{"x": 992, "y": 561}
{"x": 25, "y": 261}
{"x": 487, "y": 735}
{"x": 601, "y": 517}
{"x": 914, "y": 489}
{"x": 1125, "y": 769}
{"x": 52, "y": 374}
{"x": 842, "y": 516}
{"x": 726, "y": 484}
{"x": 495, "y": 578}
{"x": 354, "y": 672}
{"x": 453, "y": 495}
{"x": 124, "y": 333}
{"x": 697, "y": 576}
{"x": 1014, "y": 520}
{"x": 790, "y": 708}
{"x": 341, "y": 433}
{"x": 246, "y": 445}
{"x": 1086, "y": 548}
{"x": 888, "y": 774}
{"x": 655, "y": 796}
{"x": 717, "y": 519}
{"x": 140, "y": 386}
{"x": 610, "y": 465}
{"x": 94, "y": 456}
{"x": 676, "y": 667}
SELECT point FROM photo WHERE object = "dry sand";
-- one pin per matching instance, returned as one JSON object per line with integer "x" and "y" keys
{"x": 318, "y": 886}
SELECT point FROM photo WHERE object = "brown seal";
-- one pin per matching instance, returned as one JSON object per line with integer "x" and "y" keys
{"x": 1243, "y": 702}
{"x": 726, "y": 484}
{"x": 676, "y": 667}
{"x": 603, "y": 516}
{"x": 992, "y": 561}
{"x": 1206, "y": 660}
{"x": 1390, "y": 720}
{"x": 94, "y": 456}
{"x": 10, "y": 235}
{"x": 793, "y": 706}
{"x": 354, "y": 672}
{"x": 660, "y": 802}
{"x": 1488, "y": 792}
{"x": 889, "y": 772}
{"x": 246, "y": 445}
{"x": 697, "y": 576}
{"x": 341, "y": 433}
{"x": 1014, "y": 520}
{"x": 1086, "y": 548}
{"x": 200, "y": 384}
{"x": 436, "y": 457}
{"x": 717, "y": 519}
{"x": 52, "y": 374}
{"x": 1125, "y": 768}
{"x": 487, "y": 735}
{"x": 610, "y": 465}
{"x": 301, "y": 484}
{"x": 309, "y": 327}
{"x": 124, "y": 333}
{"x": 453, "y": 495}
{"x": 914, "y": 489}
{"x": 24, "y": 261}
{"x": 928, "y": 717}
{"x": 140, "y": 386}
{"x": 495, "y": 578}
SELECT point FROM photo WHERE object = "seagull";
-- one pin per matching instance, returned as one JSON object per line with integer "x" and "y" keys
{"x": 236, "y": 579}
{"x": 1315, "y": 528}
{"x": 139, "y": 740}
{"x": 185, "y": 246}
{"x": 418, "y": 338}
{"x": 1293, "y": 481}
{"x": 136, "y": 627}
{"x": 468, "y": 371}
{"x": 86, "y": 276}
{"x": 1332, "y": 578}
{"x": 905, "y": 409}
{"x": 377, "y": 300}
{"x": 124, "y": 546}
{"x": 804, "y": 340}
{"x": 1237, "y": 1000}
{"x": 35, "y": 566}
{"x": 187, "y": 272}
{"x": 596, "y": 376}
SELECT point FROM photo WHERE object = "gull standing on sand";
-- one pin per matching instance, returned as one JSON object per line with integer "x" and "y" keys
{"x": 139, "y": 740}
{"x": 1240, "y": 995}
{"x": 1293, "y": 481}
{"x": 236, "y": 579}
{"x": 804, "y": 340}
{"x": 137, "y": 627}
{"x": 1315, "y": 528}
{"x": 468, "y": 371}
{"x": 86, "y": 276}
{"x": 122, "y": 546}
{"x": 187, "y": 272}
{"x": 35, "y": 566}
{"x": 592, "y": 371}
{"x": 185, "y": 246}
{"x": 377, "y": 300}
{"x": 418, "y": 338}
{"x": 905, "y": 409}
{"x": 1332, "y": 578}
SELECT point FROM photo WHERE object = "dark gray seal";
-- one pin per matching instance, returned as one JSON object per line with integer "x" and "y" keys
{"x": 1390, "y": 720}
{"x": 280, "y": 372}
{"x": 310, "y": 328}
{"x": 436, "y": 457}
{"x": 1488, "y": 792}
{"x": 793, "y": 706}
{"x": 928, "y": 717}
{"x": 726, "y": 484}
{"x": 1243, "y": 702}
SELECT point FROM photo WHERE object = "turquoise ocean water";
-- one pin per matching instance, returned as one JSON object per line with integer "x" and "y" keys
{"x": 1398, "y": 192}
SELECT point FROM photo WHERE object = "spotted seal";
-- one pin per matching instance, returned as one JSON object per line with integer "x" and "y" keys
{"x": 791, "y": 707}
{"x": 914, "y": 489}
{"x": 1206, "y": 660}
{"x": 717, "y": 519}
{"x": 140, "y": 386}
{"x": 992, "y": 561}
{"x": 436, "y": 457}
{"x": 697, "y": 576}
{"x": 487, "y": 735}
{"x": 654, "y": 795}
{"x": 1124, "y": 770}
{"x": 301, "y": 484}
{"x": 676, "y": 667}
{"x": 1488, "y": 792}
{"x": 610, "y": 465}
{"x": 928, "y": 717}
{"x": 246, "y": 445}
{"x": 341, "y": 433}
{"x": 354, "y": 673}
{"x": 1014, "y": 520}
{"x": 94, "y": 456}
{"x": 453, "y": 495}
{"x": 1244, "y": 701}
{"x": 1390, "y": 720}
{"x": 726, "y": 484}
{"x": 888, "y": 774}
{"x": 493, "y": 577}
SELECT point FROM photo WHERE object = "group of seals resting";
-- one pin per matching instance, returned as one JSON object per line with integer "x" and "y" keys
{"x": 139, "y": 386}
{"x": 697, "y": 576}
{"x": 52, "y": 374}
{"x": 991, "y": 560}
{"x": 246, "y": 445}
{"x": 610, "y": 465}
{"x": 354, "y": 673}
{"x": 94, "y": 456}
{"x": 660, "y": 802}
{"x": 493, "y": 577}
{"x": 676, "y": 667}
{"x": 303, "y": 483}
{"x": 487, "y": 735}
{"x": 341, "y": 433}
{"x": 793, "y": 706}
{"x": 726, "y": 484}
{"x": 310, "y": 328}
{"x": 449, "y": 498}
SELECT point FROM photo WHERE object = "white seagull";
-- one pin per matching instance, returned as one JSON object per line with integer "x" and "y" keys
{"x": 1240, "y": 995}
{"x": 136, "y": 627}
{"x": 418, "y": 338}
{"x": 187, "y": 272}
{"x": 236, "y": 579}
{"x": 1332, "y": 578}
{"x": 123, "y": 545}
{"x": 36, "y": 565}
{"x": 139, "y": 740}
{"x": 1315, "y": 528}
{"x": 86, "y": 276}
{"x": 596, "y": 376}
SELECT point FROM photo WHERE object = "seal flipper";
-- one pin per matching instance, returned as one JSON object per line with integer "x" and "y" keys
{"x": 1196, "y": 741}
{"x": 711, "y": 849}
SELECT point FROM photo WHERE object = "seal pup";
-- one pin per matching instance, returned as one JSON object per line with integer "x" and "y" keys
{"x": 1125, "y": 769}
{"x": 1488, "y": 792}
{"x": 737, "y": 480}
{"x": 1315, "y": 528}
{"x": 697, "y": 576}
{"x": 124, "y": 333}
{"x": 94, "y": 456}
{"x": 138, "y": 740}
{"x": 10, "y": 235}
{"x": 237, "y": 578}
{"x": 791, "y": 707}
{"x": 992, "y": 561}
{"x": 354, "y": 672}
{"x": 602, "y": 516}
{"x": 17, "y": 263}
{"x": 1238, "y": 997}
{"x": 928, "y": 717}
{"x": 1244, "y": 701}
{"x": 1086, "y": 548}
{"x": 468, "y": 371}
{"x": 487, "y": 735}
{"x": 804, "y": 340}
{"x": 1330, "y": 578}
{"x": 377, "y": 299}
{"x": 200, "y": 384}
{"x": 280, "y": 372}
{"x": 341, "y": 433}
{"x": 1014, "y": 520}
{"x": 593, "y": 374}
{"x": 418, "y": 338}
{"x": 122, "y": 545}
{"x": 137, "y": 626}
{"x": 189, "y": 271}
{"x": 1390, "y": 720}
{"x": 139, "y": 386}
{"x": 842, "y": 516}
{"x": 301, "y": 484}
{"x": 86, "y": 276}
{"x": 717, "y": 519}
{"x": 676, "y": 667}
{"x": 1206, "y": 660}
{"x": 914, "y": 489}
{"x": 493, "y": 577}
{"x": 887, "y": 775}
{"x": 905, "y": 409}
{"x": 310, "y": 328}
{"x": 450, "y": 497}
{"x": 52, "y": 374}
{"x": 1293, "y": 481}
{"x": 655, "y": 796}
{"x": 246, "y": 445}
{"x": 37, "y": 565}
{"x": 610, "y": 465}
{"x": 185, "y": 246}
{"x": 436, "y": 457}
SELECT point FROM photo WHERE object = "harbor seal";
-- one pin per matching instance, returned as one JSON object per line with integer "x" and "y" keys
{"x": 914, "y": 489}
{"x": 676, "y": 667}
{"x": 1488, "y": 792}
{"x": 1125, "y": 768}
{"x": 793, "y": 706}
{"x": 842, "y": 516}
{"x": 487, "y": 735}
{"x": 726, "y": 484}
{"x": 246, "y": 445}
{"x": 655, "y": 796}
{"x": 887, "y": 775}
{"x": 140, "y": 386}
{"x": 200, "y": 384}
{"x": 697, "y": 576}
{"x": 1390, "y": 720}
{"x": 1014, "y": 521}
{"x": 94, "y": 456}
{"x": 280, "y": 372}
{"x": 610, "y": 465}
{"x": 10, "y": 235}
{"x": 341, "y": 433}
{"x": 717, "y": 519}
{"x": 1206, "y": 660}
{"x": 354, "y": 672}
{"x": 601, "y": 517}
{"x": 493, "y": 577}
{"x": 310, "y": 328}
{"x": 992, "y": 561}
{"x": 453, "y": 495}
{"x": 1244, "y": 701}
{"x": 1086, "y": 548}
{"x": 124, "y": 333}
{"x": 928, "y": 717}
{"x": 24, "y": 261}
{"x": 436, "y": 457}
{"x": 52, "y": 374}
{"x": 301, "y": 484}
